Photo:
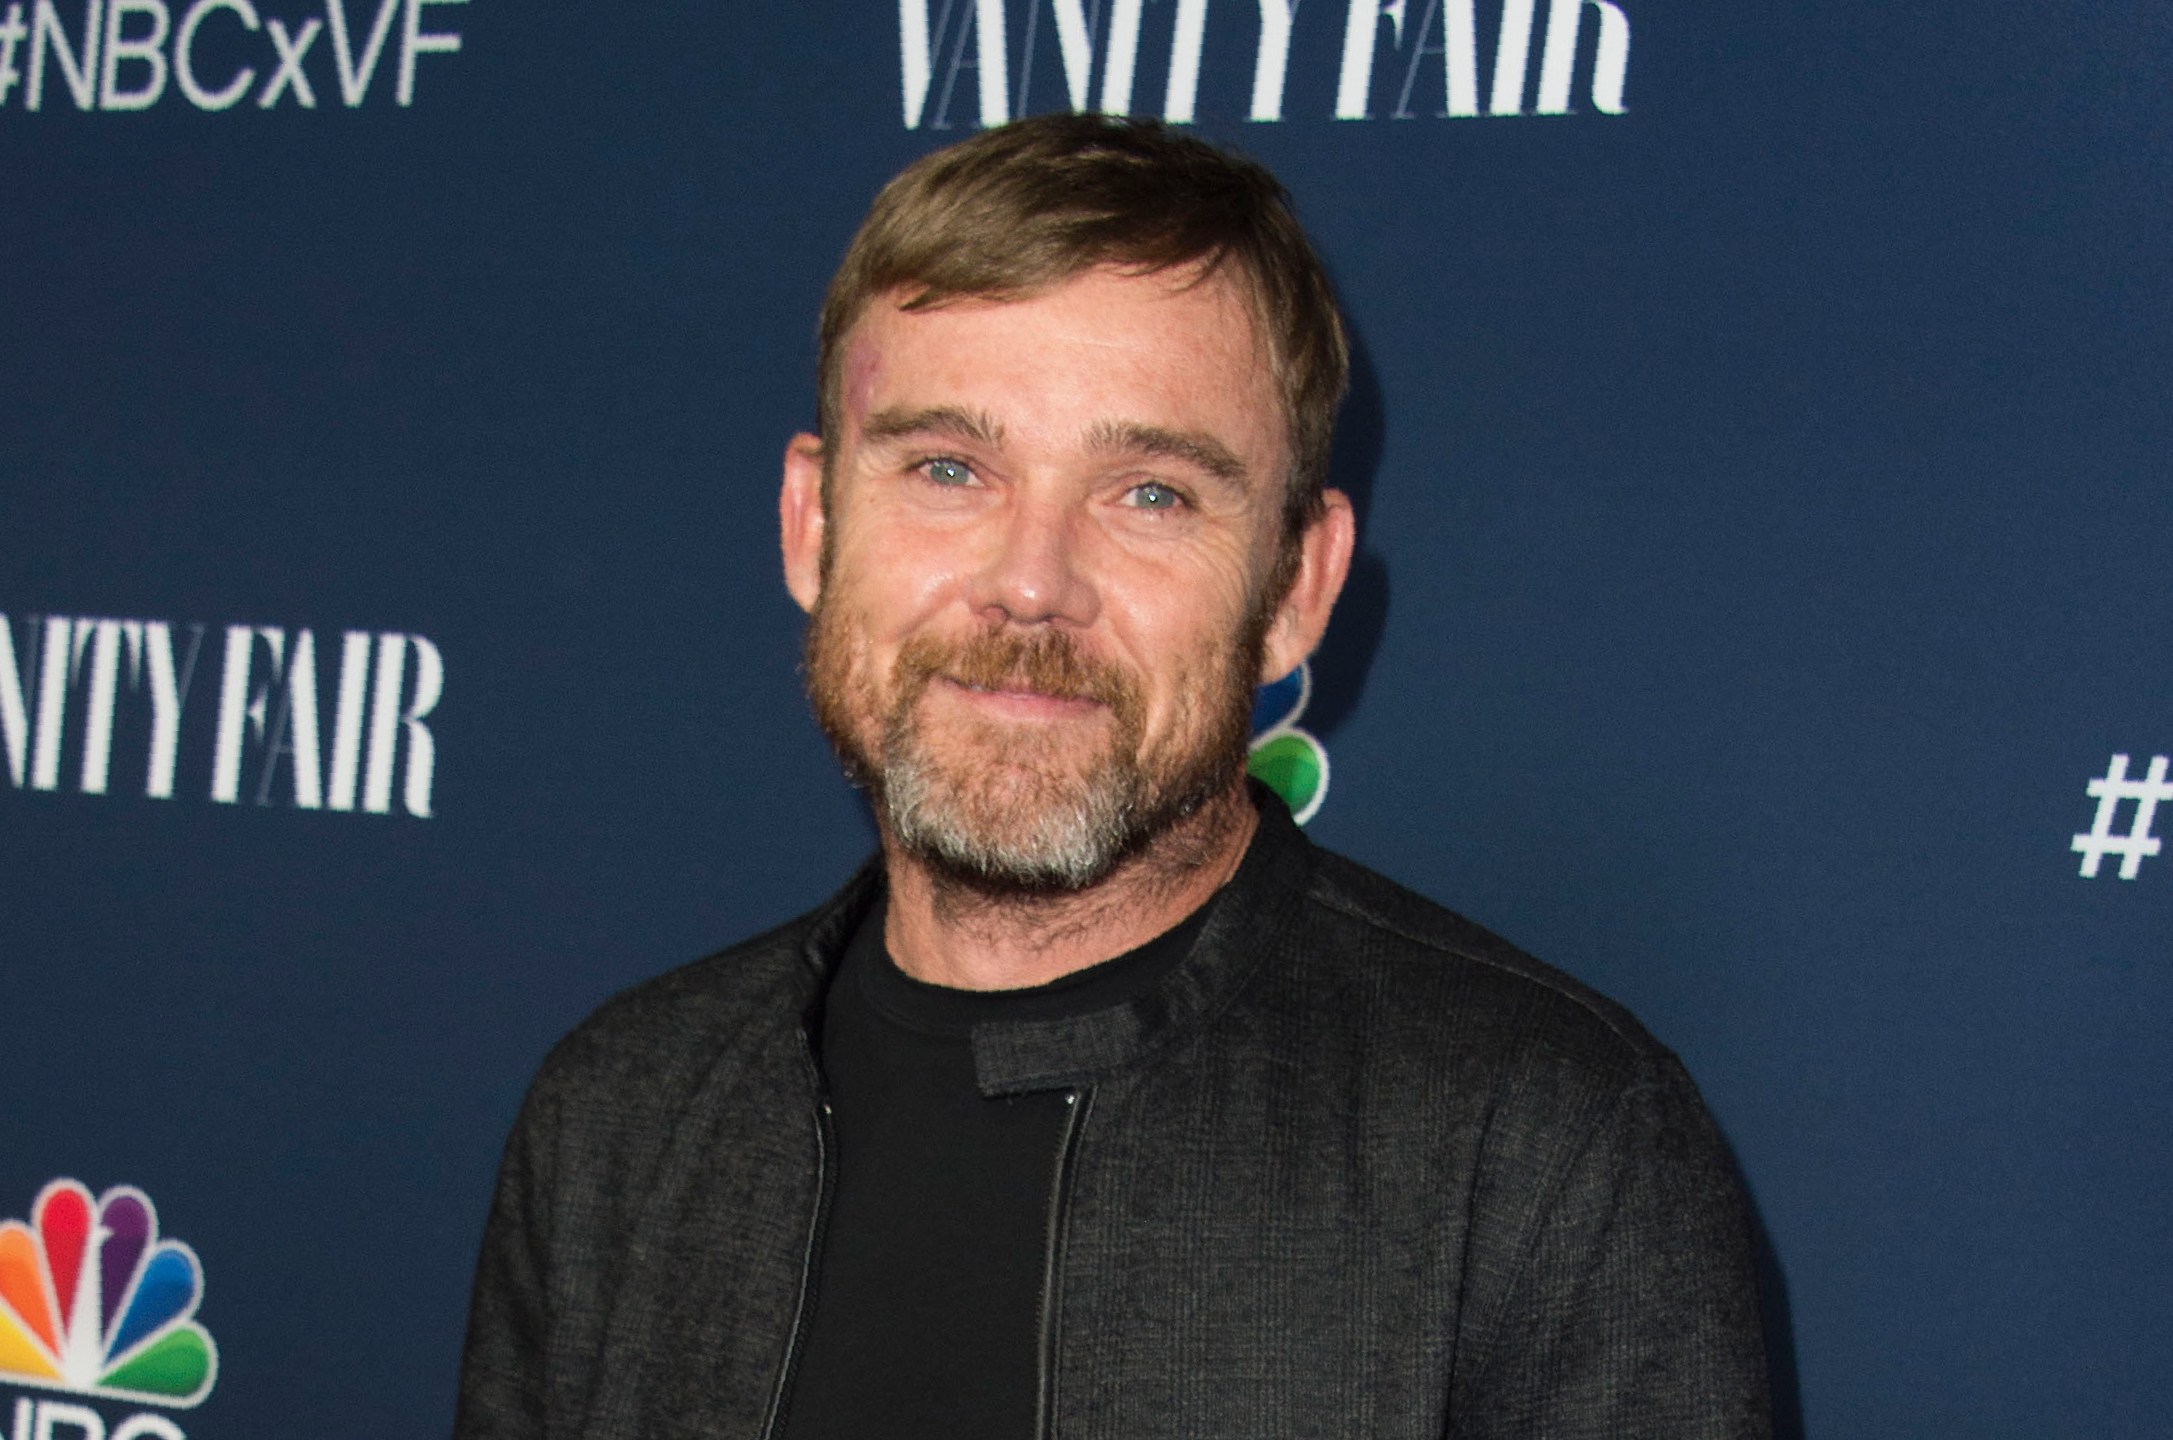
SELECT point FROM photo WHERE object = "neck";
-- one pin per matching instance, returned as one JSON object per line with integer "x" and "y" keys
{"x": 947, "y": 933}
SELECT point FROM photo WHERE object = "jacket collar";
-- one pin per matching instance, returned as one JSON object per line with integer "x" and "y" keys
{"x": 1244, "y": 919}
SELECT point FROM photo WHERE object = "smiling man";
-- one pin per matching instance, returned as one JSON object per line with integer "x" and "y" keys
{"x": 1100, "y": 1103}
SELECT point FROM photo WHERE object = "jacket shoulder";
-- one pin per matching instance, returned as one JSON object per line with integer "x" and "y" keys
{"x": 659, "y": 1035}
{"x": 1437, "y": 955}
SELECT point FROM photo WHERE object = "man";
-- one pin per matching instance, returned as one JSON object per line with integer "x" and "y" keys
{"x": 1100, "y": 1104}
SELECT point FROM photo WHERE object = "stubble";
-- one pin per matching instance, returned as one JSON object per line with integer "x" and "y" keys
{"x": 1004, "y": 808}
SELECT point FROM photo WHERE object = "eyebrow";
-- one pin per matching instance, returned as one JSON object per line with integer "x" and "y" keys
{"x": 1130, "y": 437}
{"x": 896, "y": 424}
{"x": 1192, "y": 447}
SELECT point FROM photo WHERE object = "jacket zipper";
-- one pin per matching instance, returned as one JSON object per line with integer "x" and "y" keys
{"x": 825, "y": 1141}
{"x": 1076, "y": 1103}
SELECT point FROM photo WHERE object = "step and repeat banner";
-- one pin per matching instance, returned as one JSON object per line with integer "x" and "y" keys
{"x": 1763, "y": 440}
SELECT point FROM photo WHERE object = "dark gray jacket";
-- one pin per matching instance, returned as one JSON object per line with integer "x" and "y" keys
{"x": 1354, "y": 1168}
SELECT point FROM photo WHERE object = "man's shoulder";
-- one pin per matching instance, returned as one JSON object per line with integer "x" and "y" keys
{"x": 1439, "y": 973}
{"x": 658, "y": 1036}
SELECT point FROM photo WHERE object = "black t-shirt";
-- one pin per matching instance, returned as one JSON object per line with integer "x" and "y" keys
{"x": 927, "y": 1298}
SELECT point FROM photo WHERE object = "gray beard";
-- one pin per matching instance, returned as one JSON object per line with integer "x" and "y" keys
{"x": 1048, "y": 838}
{"x": 1033, "y": 825}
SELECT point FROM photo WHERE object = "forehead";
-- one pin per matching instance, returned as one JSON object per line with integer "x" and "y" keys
{"x": 1103, "y": 345}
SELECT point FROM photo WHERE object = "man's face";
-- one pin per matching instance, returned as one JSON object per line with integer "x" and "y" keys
{"x": 1037, "y": 588}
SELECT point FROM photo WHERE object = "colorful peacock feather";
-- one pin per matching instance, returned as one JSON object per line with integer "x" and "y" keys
{"x": 93, "y": 1301}
{"x": 1284, "y": 758}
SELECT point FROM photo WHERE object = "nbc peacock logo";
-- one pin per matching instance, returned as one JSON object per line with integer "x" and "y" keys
{"x": 93, "y": 1301}
{"x": 1283, "y": 757}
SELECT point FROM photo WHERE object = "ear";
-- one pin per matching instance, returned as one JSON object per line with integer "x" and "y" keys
{"x": 800, "y": 519}
{"x": 1324, "y": 562}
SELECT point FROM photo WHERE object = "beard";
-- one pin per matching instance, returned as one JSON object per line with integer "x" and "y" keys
{"x": 1019, "y": 808}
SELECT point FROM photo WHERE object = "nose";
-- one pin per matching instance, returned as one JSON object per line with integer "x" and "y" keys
{"x": 1033, "y": 570}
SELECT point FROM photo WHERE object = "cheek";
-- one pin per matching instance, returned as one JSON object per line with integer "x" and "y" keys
{"x": 1183, "y": 628}
{"x": 898, "y": 574}
{"x": 886, "y": 596}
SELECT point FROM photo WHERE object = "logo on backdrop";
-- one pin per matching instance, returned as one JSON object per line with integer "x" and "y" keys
{"x": 131, "y": 54}
{"x": 1284, "y": 758}
{"x": 82, "y": 697}
{"x": 2131, "y": 842}
{"x": 94, "y": 1302}
{"x": 1438, "y": 53}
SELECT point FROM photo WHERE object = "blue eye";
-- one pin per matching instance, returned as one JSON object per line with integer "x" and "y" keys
{"x": 1152, "y": 496}
{"x": 948, "y": 472}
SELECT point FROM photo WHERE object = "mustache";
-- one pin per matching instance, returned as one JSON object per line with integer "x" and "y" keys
{"x": 1045, "y": 662}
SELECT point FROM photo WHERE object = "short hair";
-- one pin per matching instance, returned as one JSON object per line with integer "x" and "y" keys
{"x": 1021, "y": 208}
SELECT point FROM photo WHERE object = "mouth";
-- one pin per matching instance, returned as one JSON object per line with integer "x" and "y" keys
{"x": 1017, "y": 698}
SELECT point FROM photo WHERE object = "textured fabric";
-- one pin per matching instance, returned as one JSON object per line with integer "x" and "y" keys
{"x": 1354, "y": 1168}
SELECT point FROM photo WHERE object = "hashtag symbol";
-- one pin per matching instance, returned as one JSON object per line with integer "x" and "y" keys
{"x": 2138, "y": 843}
{"x": 11, "y": 35}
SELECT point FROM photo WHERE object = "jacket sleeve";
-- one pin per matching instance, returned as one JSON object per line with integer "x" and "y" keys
{"x": 1629, "y": 1303}
{"x": 503, "y": 1366}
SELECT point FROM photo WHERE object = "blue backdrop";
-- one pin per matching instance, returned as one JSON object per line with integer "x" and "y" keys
{"x": 1760, "y": 433}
